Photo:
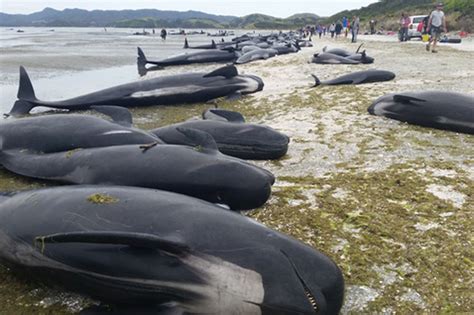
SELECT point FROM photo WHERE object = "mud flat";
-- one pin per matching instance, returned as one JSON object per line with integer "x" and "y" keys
{"x": 391, "y": 203}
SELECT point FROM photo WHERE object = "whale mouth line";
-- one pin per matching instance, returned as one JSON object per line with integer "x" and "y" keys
{"x": 307, "y": 291}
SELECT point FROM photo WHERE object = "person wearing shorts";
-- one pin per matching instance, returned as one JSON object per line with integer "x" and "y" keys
{"x": 436, "y": 25}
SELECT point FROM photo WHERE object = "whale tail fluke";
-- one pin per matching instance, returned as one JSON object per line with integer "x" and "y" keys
{"x": 25, "y": 89}
{"x": 20, "y": 108}
{"x": 141, "y": 59}
{"x": 186, "y": 44}
{"x": 317, "y": 82}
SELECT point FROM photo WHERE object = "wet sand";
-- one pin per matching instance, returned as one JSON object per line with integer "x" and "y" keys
{"x": 391, "y": 203}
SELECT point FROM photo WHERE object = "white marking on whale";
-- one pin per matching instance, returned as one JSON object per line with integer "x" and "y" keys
{"x": 116, "y": 132}
{"x": 168, "y": 91}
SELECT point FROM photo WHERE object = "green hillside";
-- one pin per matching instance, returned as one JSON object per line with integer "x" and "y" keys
{"x": 460, "y": 13}
{"x": 252, "y": 21}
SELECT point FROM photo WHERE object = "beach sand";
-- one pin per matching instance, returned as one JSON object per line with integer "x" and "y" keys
{"x": 392, "y": 204}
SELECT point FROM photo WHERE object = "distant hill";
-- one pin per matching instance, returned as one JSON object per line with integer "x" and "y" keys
{"x": 460, "y": 13}
{"x": 149, "y": 18}
{"x": 79, "y": 17}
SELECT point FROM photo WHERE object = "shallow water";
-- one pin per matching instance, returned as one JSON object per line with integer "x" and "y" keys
{"x": 80, "y": 60}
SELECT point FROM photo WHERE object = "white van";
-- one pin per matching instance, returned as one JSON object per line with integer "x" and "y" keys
{"x": 413, "y": 27}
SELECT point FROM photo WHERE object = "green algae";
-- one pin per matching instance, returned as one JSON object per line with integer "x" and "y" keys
{"x": 99, "y": 198}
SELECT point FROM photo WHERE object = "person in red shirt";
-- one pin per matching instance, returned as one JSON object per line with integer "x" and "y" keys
{"x": 404, "y": 24}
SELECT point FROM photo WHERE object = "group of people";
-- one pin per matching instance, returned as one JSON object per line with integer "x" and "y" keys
{"x": 433, "y": 24}
{"x": 344, "y": 26}
{"x": 336, "y": 29}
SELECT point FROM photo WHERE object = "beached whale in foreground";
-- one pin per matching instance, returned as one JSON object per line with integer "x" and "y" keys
{"x": 233, "y": 136}
{"x": 166, "y": 90}
{"x": 64, "y": 132}
{"x": 441, "y": 110}
{"x": 199, "y": 171}
{"x": 359, "y": 77}
{"x": 143, "y": 248}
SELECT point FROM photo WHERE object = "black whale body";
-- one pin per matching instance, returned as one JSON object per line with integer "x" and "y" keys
{"x": 214, "y": 55}
{"x": 359, "y": 77}
{"x": 166, "y": 90}
{"x": 63, "y": 132}
{"x": 199, "y": 171}
{"x": 233, "y": 136}
{"x": 139, "y": 247}
{"x": 434, "y": 109}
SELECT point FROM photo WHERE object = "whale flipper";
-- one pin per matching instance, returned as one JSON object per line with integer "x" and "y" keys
{"x": 234, "y": 96}
{"x": 406, "y": 99}
{"x": 226, "y": 72}
{"x": 119, "y": 115}
{"x": 227, "y": 115}
{"x": 140, "y": 240}
{"x": 199, "y": 138}
{"x": 360, "y": 79}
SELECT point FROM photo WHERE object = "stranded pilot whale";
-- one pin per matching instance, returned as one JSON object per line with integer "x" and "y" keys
{"x": 233, "y": 136}
{"x": 166, "y": 90}
{"x": 64, "y": 132}
{"x": 214, "y": 55}
{"x": 359, "y": 77}
{"x": 199, "y": 171}
{"x": 441, "y": 110}
{"x": 141, "y": 247}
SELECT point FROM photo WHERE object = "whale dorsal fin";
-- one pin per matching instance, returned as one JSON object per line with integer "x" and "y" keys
{"x": 199, "y": 139}
{"x": 406, "y": 99}
{"x": 222, "y": 114}
{"x": 140, "y": 240}
{"x": 119, "y": 115}
{"x": 141, "y": 59}
{"x": 186, "y": 44}
{"x": 213, "y": 44}
{"x": 25, "y": 89}
{"x": 227, "y": 72}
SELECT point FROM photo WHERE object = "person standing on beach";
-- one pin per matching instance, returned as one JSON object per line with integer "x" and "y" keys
{"x": 344, "y": 24}
{"x": 319, "y": 30}
{"x": 355, "y": 28}
{"x": 163, "y": 34}
{"x": 436, "y": 21}
{"x": 404, "y": 23}
{"x": 332, "y": 29}
{"x": 338, "y": 28}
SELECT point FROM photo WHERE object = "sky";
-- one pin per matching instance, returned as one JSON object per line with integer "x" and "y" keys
{"x": 277, "y": 8}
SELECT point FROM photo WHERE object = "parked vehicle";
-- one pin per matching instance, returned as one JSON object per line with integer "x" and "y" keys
{"x": 412, "y": 28}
